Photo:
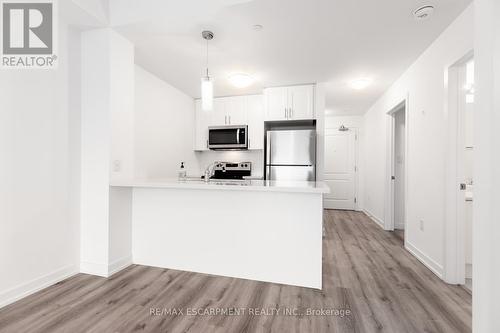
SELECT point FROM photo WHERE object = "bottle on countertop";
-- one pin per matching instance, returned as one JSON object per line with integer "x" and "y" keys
{"x": 182, "y": 172}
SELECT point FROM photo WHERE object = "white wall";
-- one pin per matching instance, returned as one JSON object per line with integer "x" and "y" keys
{"x": 107, "y": 130}
{"x": 39, "y": 109}
{"x": 486, "y": 229}
{"x": 424, "y": 83}
{"x": 164, "y": 125}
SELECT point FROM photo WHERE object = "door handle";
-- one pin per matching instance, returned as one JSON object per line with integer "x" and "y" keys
{"x": 229, "y": 120}
{"x": 238, "y": 136}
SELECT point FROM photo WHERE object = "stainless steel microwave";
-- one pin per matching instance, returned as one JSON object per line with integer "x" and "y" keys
{"x": 228, "y": 137}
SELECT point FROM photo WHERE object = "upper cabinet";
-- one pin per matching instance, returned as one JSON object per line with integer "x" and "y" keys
{"x": 228, "y": 111}
{"x": 289, "y": 103}
{"x": 237, "y": 110}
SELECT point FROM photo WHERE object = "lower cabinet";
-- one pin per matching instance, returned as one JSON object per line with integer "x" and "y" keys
{"x": 238, "y": 110}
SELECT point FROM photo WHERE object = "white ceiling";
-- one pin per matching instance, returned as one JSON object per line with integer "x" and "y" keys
{"x": 302, "y": 41}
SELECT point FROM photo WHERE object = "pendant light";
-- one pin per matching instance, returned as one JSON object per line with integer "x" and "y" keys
{"x": 207, "y": 83}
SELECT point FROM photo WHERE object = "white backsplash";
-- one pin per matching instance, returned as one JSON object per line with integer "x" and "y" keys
{"x": 255, "y": 156}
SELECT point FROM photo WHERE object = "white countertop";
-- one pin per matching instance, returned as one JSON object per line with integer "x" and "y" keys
{"x": 230, "y": 185}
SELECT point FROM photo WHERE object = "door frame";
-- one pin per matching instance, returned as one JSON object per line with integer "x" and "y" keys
{"x": 390, "y": 190}
{"x": 355, "y": 131}
{"x": 454, "y": 236}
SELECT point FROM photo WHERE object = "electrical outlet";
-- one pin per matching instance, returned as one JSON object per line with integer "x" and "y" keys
{"x": 421, "y": 225}
{"x": 117, "y": 166}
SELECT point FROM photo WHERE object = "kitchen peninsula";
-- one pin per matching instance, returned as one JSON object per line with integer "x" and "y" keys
{"x": 260, "y": 230}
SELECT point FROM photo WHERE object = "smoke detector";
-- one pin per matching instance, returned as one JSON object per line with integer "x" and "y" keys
{"x": 423, "y": 13}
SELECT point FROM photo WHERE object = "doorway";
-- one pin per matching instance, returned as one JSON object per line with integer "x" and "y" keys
{"x": 397, "y": 167}
{"x": 465, "y": 163}
{"x": 459, "y": 178}
{"x": 399, "y": 171}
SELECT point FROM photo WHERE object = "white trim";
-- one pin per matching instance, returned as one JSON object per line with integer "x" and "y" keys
{"x": 375, "y": 219}
{"x": 25, "y": 289}
{"x": 94, "y": 268}
{"x": 119, "y": 264}
{"x": 454, "y": 241}
{"x": 389, "y": 195}
{"x": 424, "y": 259}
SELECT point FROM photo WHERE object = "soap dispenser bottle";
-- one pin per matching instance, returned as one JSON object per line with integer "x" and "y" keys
{"x": 182, "y": 172}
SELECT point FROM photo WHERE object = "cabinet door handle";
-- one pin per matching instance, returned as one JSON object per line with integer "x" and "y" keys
{"x": 229, "y": 120}
{"x": 207, "y": 144}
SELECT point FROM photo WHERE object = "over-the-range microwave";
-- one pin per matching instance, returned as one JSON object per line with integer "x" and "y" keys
{"x": 233, "y": 137}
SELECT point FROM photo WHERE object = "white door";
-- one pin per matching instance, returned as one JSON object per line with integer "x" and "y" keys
{"x": 276, "y": 103}
{"x": 340, "y": 173}
{"x": 301, "y": 102}
{"x": 399, "y": 169}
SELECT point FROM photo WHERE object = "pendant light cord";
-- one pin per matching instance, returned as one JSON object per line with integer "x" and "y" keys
{"x": 207, "y": 58}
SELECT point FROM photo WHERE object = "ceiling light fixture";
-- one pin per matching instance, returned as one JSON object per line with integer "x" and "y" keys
{"x": 241, "y": 80}
{"x": 207, "y": 83}
{"x": 423, "y": 13}
{"x": 257, "y": 27}
{"x": 361, "y": 84}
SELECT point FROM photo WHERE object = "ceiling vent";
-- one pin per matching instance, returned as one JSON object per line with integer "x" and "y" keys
{"x": 423, "y": 13}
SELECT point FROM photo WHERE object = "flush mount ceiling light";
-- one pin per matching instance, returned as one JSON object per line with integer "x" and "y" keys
{"x": 207, "y": 83}
{"x": 360, "y": 84}
{"x": 257, "y": 27}
{"x": 241, "y": 80}
{"x": 423, "y": 13}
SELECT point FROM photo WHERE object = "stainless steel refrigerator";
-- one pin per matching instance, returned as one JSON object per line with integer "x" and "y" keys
{"x": 291, "y": 155}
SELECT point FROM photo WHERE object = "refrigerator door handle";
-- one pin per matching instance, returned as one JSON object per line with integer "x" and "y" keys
{"x": 268, "y": 149}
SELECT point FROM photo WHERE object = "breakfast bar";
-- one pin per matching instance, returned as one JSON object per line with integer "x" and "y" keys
{"x": 260, "y": 230}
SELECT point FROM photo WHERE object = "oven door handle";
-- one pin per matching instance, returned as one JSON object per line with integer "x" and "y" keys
{"x": 238, "y": 136}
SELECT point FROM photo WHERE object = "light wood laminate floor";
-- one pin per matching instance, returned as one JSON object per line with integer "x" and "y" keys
{"x": 365, "y": 270}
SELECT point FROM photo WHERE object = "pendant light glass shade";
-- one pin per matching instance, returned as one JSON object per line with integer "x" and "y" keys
{"x": 207, "y": 93}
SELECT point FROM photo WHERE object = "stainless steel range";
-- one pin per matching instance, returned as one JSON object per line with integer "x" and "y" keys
{"x": 230, "y": 170}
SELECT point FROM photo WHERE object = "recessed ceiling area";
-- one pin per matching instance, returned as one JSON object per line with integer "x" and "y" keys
{"x": 331, "y": 41}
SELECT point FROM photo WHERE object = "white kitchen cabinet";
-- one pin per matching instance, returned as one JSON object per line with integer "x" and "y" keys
{"x": 228, "y": 111}
{"x": 218, "y": 116}
{"x": 202, "y": 122}
{"x": 289, "y": 103}
{"x": 237, "y": 110}
{"x": 255, "y": 115}
{"x": 301, "y": 102}
{"x": 276, "y": 100}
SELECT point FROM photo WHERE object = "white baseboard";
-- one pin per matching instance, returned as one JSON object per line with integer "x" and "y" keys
{"x": 25, "y": 289}
{"x": 375, "y": 219}
{"x": 94, "y": 268}
{"x": 119, "y": 264}
{"x": 101, "y": 269}
{"x": 468, "y": 271}
{"x": 399, "y": 226}
{"x": 424, "y": 259}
